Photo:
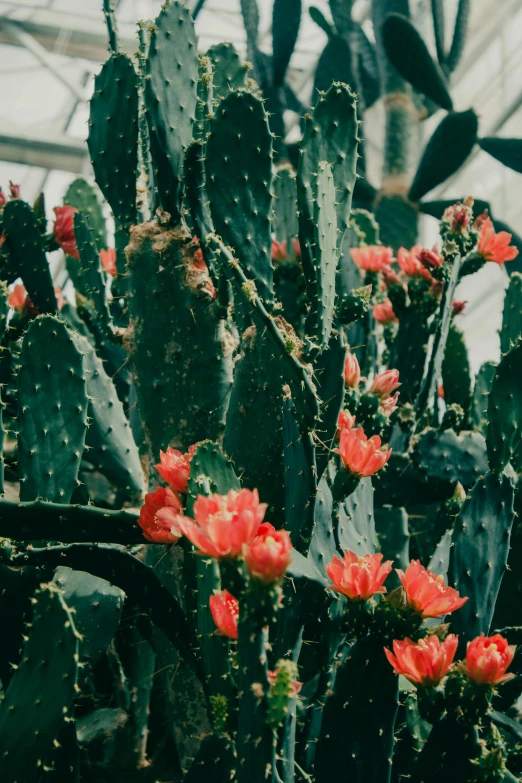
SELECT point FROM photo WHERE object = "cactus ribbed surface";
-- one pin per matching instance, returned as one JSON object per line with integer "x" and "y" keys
{"x": 258, "y": 520}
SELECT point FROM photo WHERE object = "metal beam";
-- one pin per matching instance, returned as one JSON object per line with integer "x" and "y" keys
{"x": 63, "y": 155}
{"x": 41, "y": 54}
{"x": 80, "y": 43}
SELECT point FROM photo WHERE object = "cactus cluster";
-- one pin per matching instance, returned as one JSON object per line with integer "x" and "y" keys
{"x": 267, "y": 523}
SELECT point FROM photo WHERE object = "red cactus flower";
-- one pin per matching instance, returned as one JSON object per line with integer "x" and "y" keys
{"x": 108, "y": 261}
{"x": 159, "y": 516}
{"x": 64, "y": 230}
{"x": 174, "y": 467}
{"x": 385, "y": 383}
{"x": 352, "y": 371}
{"x": 410, "y": 264}
{"x": 495, "y": 247}
{"x": 458, "y": 307}
{"x": 440, "y": 391}
{"x": 268, "y": 556}
{"x": 424, "y": 662}
{"x": 487, "y": 659}
{"x": 3, "y": 199}
{"x": 356, "y": 577}
{"x": 426, "y": 593}
{"x": 223, "y": 524}
{"x": 383, "y": 312}
{"x": 279, "y": 251}
{"x": 360, "y": 455}
{"x": 431, "y": 259}
{"x": 295, "y": 685}
{"x": 458, "y": 216}
{"x": 14, "y": 190}
{"x": 373, "y": 257}
{"x": 345, "y": 421}
{"x": 225, "y": 613}
{"x": 17, "y": 297}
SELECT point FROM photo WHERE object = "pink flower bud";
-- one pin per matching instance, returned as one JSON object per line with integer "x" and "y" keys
{"x": 383, "y": 312}
{"x": 14, "y": 190}
{"x": 352, "y": 371}
{"x": 360, "y": 455}
{"x": 225, "y": 613}
{"x": 60, "y": 300}
{"x": 345, "y": 421}
{"x": 487, "y": 659}
{"x": 358, "y": 578}
{"x": 174, "y": 467}
{"x": 295, "y": 685}
{"x": 108, "y": 260}
{"x": 3, "y": 199}
{"x": 385, "y": 383}
{"x": 425, "y": 662}
{"x": 458, "y": 307}
{"x": 268, "y": 556}
{"x": 431, "y": 258}
{"x": 159, "y": 516}
{"x": 458, "y": 216}
{"x": 64, "y": 230}
{"x": 426, "y": 593}
{"x": 223, "y": 524}
{"x": 372, "y": 258}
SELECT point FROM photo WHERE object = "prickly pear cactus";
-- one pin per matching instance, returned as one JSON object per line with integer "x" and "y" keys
{"x": 259, "y": 522}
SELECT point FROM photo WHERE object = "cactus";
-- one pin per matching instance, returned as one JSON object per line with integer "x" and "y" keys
{"x": 242, "y": 620}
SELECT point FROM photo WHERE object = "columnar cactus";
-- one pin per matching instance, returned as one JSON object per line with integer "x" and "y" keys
{"x": 264, "y": 517}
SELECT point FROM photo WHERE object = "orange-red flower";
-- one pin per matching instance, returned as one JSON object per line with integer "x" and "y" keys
{"x": 108, "y": 260}
{"x": 345, "y": 421}
{"x": 487, "y": 659}
{"x": 426, "y": 593}
{"x": 159, "y": 516}
{"x": 174, "y": 467}
{"x": 358, "y": 577}
{"x": 225, "y": 613}
{"x": 352, "y": 371}
{"x": 410, "y": 264}
{"x": 361, "y": 455}
{"x": 495, "y": 247}
{"x": 424, "y": 662}
{"x": 385, "y": 383}
{"x": 268, "y": 556}
{"x": 372, "y": 258}
{"x": 383, "y": 312}
{"x": 64, "y": 230}
{"x": 222, "y": 524}
{"x": 280, "y": 250}
{"x": 17, "y": 297}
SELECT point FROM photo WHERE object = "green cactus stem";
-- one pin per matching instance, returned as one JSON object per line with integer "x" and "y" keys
{"x": 137, "y": 580}
{"x": 181, "y": 355}
{"x": 38, "y": 519}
